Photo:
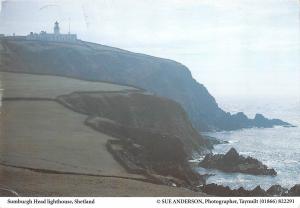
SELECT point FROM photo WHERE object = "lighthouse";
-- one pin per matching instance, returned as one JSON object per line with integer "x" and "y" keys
{"x": 55, "y": 36}
{"x": 56, "y": 28}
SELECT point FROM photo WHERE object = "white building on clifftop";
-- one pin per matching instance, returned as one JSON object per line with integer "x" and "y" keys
{"x": 55, "y": 36}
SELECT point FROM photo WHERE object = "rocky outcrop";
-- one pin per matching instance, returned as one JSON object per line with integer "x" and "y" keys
{"x": 139, "y": 110}
{"x": 233, "y": 162}
{"x": 262, "y": 121}
{"x": 155, "y": 159}
{"x": 101, "y": 63}
{"x": 153, "y": 135}
{"x": 275, "y": 190}
{"x": 294, "y": 191}
{"x": 213, "y": 140}
{"x": 219, "y": 190}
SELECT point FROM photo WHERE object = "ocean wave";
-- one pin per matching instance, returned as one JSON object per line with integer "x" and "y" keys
{"x": 290, "y": 161}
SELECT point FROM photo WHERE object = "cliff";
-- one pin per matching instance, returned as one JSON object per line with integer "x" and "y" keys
{"x": 95, "y": 62}
{"x": 135, "y": 111}
{"x": 139, "y": 136}
{"x": 153, "y": 135}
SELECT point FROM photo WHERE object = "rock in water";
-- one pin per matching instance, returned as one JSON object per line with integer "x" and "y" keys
{"x": 294, "y": 191}
{"x": 258, "y": 191}
{"x": 219, "y": 190}
{"x": 233, "y": 162}
{"x": 232, "y": 155}
{"x": 277, "y": 190}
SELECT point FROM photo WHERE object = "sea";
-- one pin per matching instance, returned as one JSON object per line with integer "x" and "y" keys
{"x": 277, "y": 147}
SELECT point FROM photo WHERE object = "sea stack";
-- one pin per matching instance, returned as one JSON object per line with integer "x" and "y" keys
{"x": 233, "y": 162}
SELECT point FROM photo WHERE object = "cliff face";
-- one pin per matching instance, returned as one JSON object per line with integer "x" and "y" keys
{"x": 135, "y": 110}
{"x": 96, "y": 62}
{"x": 153, "y": 134}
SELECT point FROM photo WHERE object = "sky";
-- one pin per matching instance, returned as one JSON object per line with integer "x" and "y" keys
{"x": 234, "y": 47}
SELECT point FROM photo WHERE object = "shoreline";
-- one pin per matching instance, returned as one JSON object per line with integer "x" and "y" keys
{"x": 220, "y": 185}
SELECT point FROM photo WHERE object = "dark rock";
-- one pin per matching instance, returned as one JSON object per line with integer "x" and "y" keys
{"x": 258, "y": 191}
{"x": 241, "y": 192}
{"x": 164, "y": 161}
{"x": 294, "y": 191}
{"x": 259, "y": 117}
{"x": 262, "y": 121}
{"x": 160, "y": 157}
{"x": 240, "y": 117}
{"x": 277, "y": 190}
{"x": 217, "y": 190}
{"x": 233, "y": 162}
{"x": 232, "y": 155}
{"x": 214, "y": 141}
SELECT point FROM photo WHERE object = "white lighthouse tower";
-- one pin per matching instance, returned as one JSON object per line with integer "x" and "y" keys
{"x": 56, "y": 28}
{"x": 55, "y": 36}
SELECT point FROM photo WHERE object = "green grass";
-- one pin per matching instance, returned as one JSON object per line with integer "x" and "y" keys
{"x": 43, "y": 134}
{"x": 44, "y": 86}
{"x": 46, "y": 135}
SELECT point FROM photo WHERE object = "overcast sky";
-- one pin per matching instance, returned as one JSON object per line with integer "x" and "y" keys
{"x": 233, "y": 47}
